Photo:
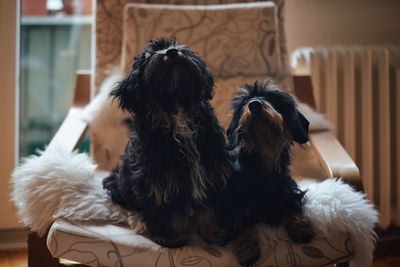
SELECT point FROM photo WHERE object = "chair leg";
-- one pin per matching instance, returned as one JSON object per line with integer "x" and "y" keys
{"x": 38, "y": 254}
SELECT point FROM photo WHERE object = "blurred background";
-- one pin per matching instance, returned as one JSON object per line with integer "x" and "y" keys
{"x": 56, "y": 39}
{"x": 55, "y": 42}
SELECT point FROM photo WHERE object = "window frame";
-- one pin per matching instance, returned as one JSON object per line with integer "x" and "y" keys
{"x": 9, "y": 107}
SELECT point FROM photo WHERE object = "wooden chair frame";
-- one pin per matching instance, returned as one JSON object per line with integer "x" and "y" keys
{"x": 332, "y": 156}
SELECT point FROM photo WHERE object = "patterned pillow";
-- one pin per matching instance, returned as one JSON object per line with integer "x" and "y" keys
{"x": 234, "y": 39}
{"x": 109, "y": 33}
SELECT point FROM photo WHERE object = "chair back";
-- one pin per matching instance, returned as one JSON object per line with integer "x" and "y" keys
{"x": 240, "y": 42}
{"x": 245, "y": 39}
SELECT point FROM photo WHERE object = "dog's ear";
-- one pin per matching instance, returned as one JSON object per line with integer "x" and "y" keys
{"x": 299, "y": 128}
{"x": 232, "y": 133}
{"x": 128, "y": 92}
{"x": 209, "y": 85}
{"x": 233, "y": 137}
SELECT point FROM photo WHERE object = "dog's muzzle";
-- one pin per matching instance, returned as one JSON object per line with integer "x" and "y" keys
{"x": 262, "y": 112}
{"x": 172, "y": 53}
{"x": 255, "y": 106}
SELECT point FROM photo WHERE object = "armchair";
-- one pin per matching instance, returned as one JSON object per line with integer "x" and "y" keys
{"x": 263, "y": 39}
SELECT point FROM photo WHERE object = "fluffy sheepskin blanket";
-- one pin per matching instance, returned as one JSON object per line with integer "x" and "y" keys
{"x": 60, "y": 184}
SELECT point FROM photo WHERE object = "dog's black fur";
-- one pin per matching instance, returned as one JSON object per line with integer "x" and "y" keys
{"x": 264, "y": 125}
{"x": 176, "y": 154}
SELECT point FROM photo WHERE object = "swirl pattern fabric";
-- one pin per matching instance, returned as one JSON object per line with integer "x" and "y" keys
{"x": 99, "y": 244}
{"x": 235, "y": 39}
{"x": 109, "y": 33}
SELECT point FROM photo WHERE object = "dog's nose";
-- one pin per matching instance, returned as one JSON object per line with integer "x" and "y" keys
{"x": 171, "y": 53}
{"x": 255, "y": 106}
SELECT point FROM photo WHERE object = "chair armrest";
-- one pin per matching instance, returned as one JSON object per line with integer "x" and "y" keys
{"x": 71, "y": 132}
{"x": 73, "y": 129}
{"x": 334, "y": 158}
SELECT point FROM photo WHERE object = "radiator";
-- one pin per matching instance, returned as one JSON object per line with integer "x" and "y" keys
{"x": 358, "y": 88}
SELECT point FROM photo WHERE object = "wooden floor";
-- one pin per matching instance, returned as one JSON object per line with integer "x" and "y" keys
{"x": 19, "y": 258}
{"x": 388, "y": 262}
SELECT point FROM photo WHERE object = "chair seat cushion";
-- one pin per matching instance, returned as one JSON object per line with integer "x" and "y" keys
{"x": 59, "y": 184}
{"x": 103, "y": 244}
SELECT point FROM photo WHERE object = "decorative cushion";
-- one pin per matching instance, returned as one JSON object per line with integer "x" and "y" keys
{"x": 101, "y": 244}
{"x": 109, "y": 31}
{"x": 233, "y": 39}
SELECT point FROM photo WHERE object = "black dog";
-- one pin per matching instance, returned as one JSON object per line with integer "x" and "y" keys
{"x": 176, "y": 155}
{"x": 264, "y": 125}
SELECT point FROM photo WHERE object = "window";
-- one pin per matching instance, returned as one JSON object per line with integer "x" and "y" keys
{"x": 55, "y": 42}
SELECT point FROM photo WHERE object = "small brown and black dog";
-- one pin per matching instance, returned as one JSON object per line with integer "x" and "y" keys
{"x": 264, "y": 126}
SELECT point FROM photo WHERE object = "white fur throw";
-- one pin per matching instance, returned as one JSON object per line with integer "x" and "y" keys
{"x": 59, "y": 184}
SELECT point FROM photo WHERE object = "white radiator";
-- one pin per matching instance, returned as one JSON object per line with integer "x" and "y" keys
{"x": 358, "y": 88}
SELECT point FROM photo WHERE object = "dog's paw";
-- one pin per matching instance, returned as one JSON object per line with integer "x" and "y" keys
{"x": 247, "y": 248}
{"x": 209, "y": 231}
{"x": 299, "y": 230}
{"x": 301, "y": 238}
{"x": 217, "y": 236}
{"x": 248, "y": 257}
{"x": 170, "y": 242}
{"x": 163, "y": 240}
{"x": 248, "y": 262}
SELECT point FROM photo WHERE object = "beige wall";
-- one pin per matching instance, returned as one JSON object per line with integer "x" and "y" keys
{"x": 7, "y": 108}
{"x": 345, "y": 22}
